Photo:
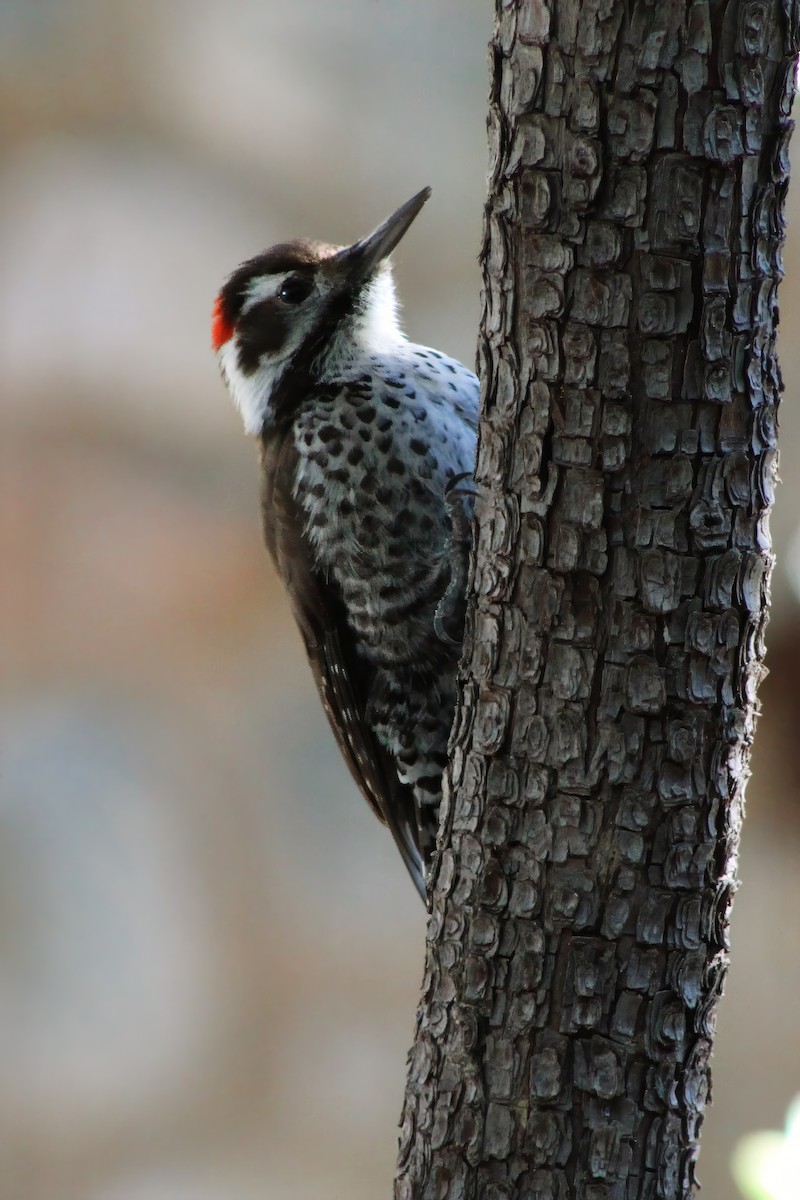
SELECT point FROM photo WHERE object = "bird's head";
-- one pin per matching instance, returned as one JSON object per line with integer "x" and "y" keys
{"x": 303, "y": 310}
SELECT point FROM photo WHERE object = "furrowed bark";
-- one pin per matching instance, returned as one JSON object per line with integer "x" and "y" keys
{"x": 577, "y": 944}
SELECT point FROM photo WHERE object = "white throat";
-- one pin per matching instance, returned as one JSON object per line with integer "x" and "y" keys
{"x": 373, "y": 328}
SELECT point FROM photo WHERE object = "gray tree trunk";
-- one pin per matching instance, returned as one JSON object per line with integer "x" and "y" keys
{"x": 577, "y": 944}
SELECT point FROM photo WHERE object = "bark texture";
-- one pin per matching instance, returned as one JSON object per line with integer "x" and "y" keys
{"x": 577, "y": 943}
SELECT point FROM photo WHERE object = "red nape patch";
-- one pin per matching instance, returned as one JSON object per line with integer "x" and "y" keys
{"x": 221, "y": 327}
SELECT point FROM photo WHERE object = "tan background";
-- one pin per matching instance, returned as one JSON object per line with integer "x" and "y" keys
{"x": 209, "y": 952}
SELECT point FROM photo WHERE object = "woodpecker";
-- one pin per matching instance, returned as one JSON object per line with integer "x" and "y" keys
{"x": 362, "y": 436}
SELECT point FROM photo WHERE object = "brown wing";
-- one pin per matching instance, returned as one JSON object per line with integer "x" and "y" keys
{"x": 342, "y": 678}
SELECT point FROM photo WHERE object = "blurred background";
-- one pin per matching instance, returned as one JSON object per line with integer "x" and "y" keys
{"x": 209, "y": 951}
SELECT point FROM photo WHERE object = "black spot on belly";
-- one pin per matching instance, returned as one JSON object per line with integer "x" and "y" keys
{"x": 368, "y": 531}
{"x": 401, "y": 524}
{"x": 390, "y": 591}
{"x": 395, "y": 466}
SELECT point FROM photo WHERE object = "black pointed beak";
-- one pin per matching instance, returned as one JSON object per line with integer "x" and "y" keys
{"x": 357, "y": 262}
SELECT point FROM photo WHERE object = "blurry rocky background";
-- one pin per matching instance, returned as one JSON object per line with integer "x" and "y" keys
{"x": 209, "y": 951}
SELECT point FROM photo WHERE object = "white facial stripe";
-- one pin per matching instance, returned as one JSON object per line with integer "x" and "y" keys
{"x": 263, "y": 287}
{"x": 250, "y": 393}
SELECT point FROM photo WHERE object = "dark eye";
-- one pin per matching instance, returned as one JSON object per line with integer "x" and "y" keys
{"x": 295, "y": 289}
